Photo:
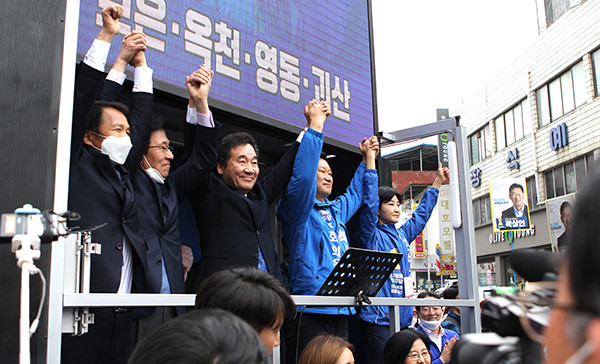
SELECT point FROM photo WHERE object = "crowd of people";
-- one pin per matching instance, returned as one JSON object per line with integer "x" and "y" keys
{"x": 121, "y": 180}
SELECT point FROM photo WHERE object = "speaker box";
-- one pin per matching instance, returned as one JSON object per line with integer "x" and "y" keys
{"x": 31, "y": 50}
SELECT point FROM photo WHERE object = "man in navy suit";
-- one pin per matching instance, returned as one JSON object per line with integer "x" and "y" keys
{"x": 158, "y": 193}
{"x": 108, "y": 141}
{"x": 232, "y": 209}
{"x": 519, "y": 209}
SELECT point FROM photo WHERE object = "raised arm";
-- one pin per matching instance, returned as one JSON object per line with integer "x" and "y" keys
{"x": 89, "y": 76}
{"x": 198, "y": 94}
{"x": 133, "y": 43}
{"x": 203, "y": 157}
{"x": 417, "y": 222}
{"x": 141, "y": 109}
{"x": 352, "y": 199}
{"x": 367, "y": 218}
{"x": 442, "y": 176}
{"x": 277, "y": 180}
{"x": 299, "y": 195}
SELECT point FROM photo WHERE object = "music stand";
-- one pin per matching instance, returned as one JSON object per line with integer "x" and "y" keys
{"x": 360, "y": 273}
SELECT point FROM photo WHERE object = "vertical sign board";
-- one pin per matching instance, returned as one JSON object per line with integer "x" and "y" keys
{"x": 443, "y": 140}
{"x": 269, "y": 57}
{"x": 446, "y": 232}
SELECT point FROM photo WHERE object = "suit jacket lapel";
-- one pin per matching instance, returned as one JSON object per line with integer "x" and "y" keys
{"x": 107, "y": 170}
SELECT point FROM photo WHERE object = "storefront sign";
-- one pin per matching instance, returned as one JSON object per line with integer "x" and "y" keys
{"x": 512, "y": 162}
{"x": 500, "y": 237}
{"x": 476, "y": 177}
{"x": 419, "y": 247}
{"x": 558, "y": 137}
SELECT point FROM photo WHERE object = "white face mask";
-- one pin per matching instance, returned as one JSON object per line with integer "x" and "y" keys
{"x": 117, "y": 149}
{"x": 153, "y": 173}
{"x": 432, "y": 325}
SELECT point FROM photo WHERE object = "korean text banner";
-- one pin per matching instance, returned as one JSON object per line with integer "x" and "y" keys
{"x": 269, "y": 57}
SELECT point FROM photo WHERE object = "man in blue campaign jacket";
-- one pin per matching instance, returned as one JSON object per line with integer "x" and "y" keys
{"x": 441, "y": 340}
{"x": 314, "y": 227}
{"x": 377, "y": 231}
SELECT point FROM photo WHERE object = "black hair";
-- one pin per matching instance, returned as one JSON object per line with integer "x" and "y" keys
{"x": 231, "y": 141}
{"x": 386, "y": 193}
{"x": 450, "y": 293}
{"x": 564, "y": 205}
{"x": 95, "y": 117}
{"x": 158, "y": 123}
{"x": 202, "y": 336}
{"x": 513, "y": 186}
{"x": 252, "y": 294}
{"x": 425, "y": 294}
{"x": 583, "y": 254}
{"x": 398, "y": 346}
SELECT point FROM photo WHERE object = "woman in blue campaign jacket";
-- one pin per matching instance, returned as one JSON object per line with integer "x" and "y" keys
{"x": 377, "y": 231}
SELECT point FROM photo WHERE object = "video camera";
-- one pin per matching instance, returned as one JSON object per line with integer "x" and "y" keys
{"x": 514, "y": 321}
{"x": 27, "y": 220}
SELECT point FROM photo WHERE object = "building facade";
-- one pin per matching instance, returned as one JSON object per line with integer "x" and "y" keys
{"x": 538, "y": 120}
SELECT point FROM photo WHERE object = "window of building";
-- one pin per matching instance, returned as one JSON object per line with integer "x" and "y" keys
{"x": 596, "y": 65}
{"x": 500, "y": 135}
{"x": 513, "y": 124}
{"x": 567, "y": 178}
{"x": 480, "y": 145}
{"x": 561, "y": 95}
{"x": 526, "y": 113}
{"x": 532, "y": 198}
{"x": 543, "y": 106}
{"x": 482, "y": 210}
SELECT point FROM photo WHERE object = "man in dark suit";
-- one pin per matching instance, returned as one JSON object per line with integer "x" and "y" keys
{"x": 519, "y": 209}
{"x": 158, "y": 193}
{"x": 232, "y": 210}
{"x": 104, "y": 152}
{"x": 566, "y": 217}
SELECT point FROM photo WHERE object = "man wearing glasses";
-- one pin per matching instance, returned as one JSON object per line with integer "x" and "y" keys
{"x": 442, "y": 340}
{"x": 158, "y": 193}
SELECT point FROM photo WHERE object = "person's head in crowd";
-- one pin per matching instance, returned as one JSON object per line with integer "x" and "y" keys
{"x": 574, "y": 328}
{"x": 407, "y": 347}
{"x": 237, "y": 161}
{"x": 252, "y": 294}
{"x": 157, "y": 159}
{"x": 516, "y": 193}
{"x": 389, "y": 205}
{"x": 566, "y": 215}
{"x": 451, "y": 293}
{"x": 202, "y": 336}
{"x": 430, "y": 316}
{"x": 327, "y": 349}
{"x": 324, "y": 178}
{"x": 108, "y": 130}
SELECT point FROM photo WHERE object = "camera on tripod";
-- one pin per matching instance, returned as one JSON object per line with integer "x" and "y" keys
{"x": 28, "y": 220}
